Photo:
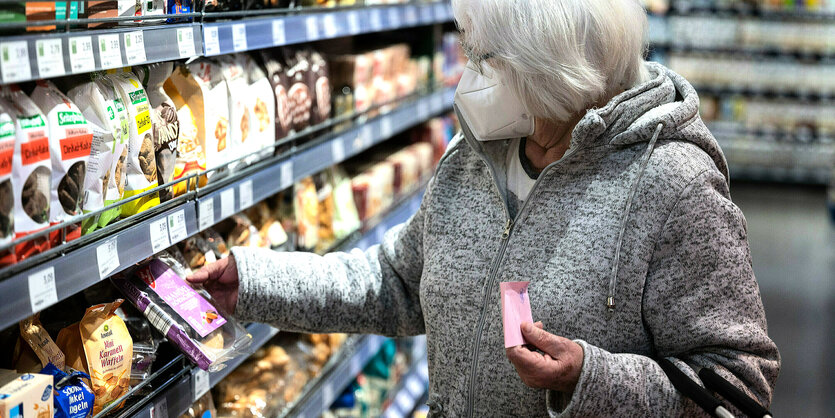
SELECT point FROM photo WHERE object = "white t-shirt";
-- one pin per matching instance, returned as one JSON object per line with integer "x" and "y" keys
{"x": 519, "y": 183}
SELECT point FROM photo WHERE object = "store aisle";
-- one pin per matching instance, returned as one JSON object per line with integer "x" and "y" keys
{"x": 793, "y": 249}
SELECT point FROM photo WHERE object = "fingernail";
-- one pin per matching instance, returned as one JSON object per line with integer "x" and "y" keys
{"x": 526, "y": 326}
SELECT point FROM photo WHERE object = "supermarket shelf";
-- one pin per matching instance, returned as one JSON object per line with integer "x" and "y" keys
{"x": 412, "y": 387}
{"x": 249, "y": 34}
{"x": 51, "y": 281}
{"x": 747, "y": 52}
{"x": 63, "y": 53}
{"x": 747, "y": 10}
{"x": 401, "y": 213}
{"x": 261, "y": 333}
{"x": 33, "y": 56}
{"x": 753, "y": 158}
{"x": 330, "y": 384}
{"x": 814, "y": 96}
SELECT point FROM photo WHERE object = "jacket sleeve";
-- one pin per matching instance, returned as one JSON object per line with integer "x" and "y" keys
{"x": 702, "y": 308}
{"x": 375, "y": 291}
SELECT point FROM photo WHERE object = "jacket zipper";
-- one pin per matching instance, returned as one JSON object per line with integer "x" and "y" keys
{"x": 494, "y": 270}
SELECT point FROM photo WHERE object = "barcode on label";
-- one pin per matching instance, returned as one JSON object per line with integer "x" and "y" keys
{"x": 159, "y": 318}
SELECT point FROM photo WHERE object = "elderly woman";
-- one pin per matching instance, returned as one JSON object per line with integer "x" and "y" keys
{"x": 582, "y": 169}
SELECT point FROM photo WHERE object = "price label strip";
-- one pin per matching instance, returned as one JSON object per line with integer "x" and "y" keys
{"x": 81, "y": 54}
{"x": 110, "y": 51}
{"x": 42, "y": 291}
{"x": 207, "y": 213}
{"x": 159, "y": 235}
{"x": 426, "y": 14}
{"x": 411, "y": 15}
{"x": 50, "y": 54}
{"x": 376, "y": 20}
{"x": 239, "y": 37}
{"x": 337, "y": 150}
{"x": 212, "y": 41}
{"x": 185, "y": 42}
{"x": 386, "y": 128}
{"x": 394, "y": 17}
{"x": 14, "y": 61}
{"x": 107, "y": 257}
{"x": 201, "y": 383}
{"x": 353, "y": 23}
{"x": 135, "y": 47}
{"x": 311, "y": 25}
{"x": 367, "y": 136}
{"x": 227, "y": 203}
{"x": 245, "y": 192}
{"x": 286, "y": 174}
{"x": 177, "y": 230}
{"x": 331, "y": 25}
{"x": 279, "y": 35}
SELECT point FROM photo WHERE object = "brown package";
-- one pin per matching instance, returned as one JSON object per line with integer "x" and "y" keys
{"x": 321, "y": 88}
{"x": 109, "y": 349}
{"x": 276, "y": 70}
{"x": 35, "y": 348}
{"x": 69, "y": 341}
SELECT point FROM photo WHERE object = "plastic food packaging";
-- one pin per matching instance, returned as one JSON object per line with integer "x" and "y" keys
{"x": 276, "y": 70}
{"x": 262, "y": 104}
{"x": 187, "y": 316}
{"x": 73, "y": 398}
{"x": 35, "y": 348}
{"x": 197, "y": 252}
{"x": 166, "y": 125}
{"x": 321, "y": 90}
{"x": 141, "y": 166}
{"x": 325, "y": 215}
{"x": 108, "y": 120}
{"x": 70, "y": 139}
{"x": 345, "y": 217}
{"x": 191, "y": 150}
{"x": 202, "y": 408}
{"x": 299, "y": 94}
{"x": 242, "y": 232}
{"x": 144, "y": 343}
{"x": 306, "y": 208}
{"x": 7, "y": 140}
{"x": 32, "y": 175}
{"x": 270, "y": 232}
{"x": 516, "y": 309}
{"x": 109, "y": 350}
{"x": 216, "y": 242}
{"x": 240, "y": 113}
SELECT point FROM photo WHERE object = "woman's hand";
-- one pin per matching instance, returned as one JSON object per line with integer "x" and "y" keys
{"x": 557, "y": 369}
{"x": 220, "y": 279}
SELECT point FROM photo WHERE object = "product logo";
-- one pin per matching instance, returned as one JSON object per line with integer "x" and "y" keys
{"x": 106, "y": 327}
{"x": 110, "y": 113}
{"x": 47, "y": 391}
{"x": 30, "y": 122}
{"x": 26, "y": 377}
{"x": 6, "y": 129}
{"x": 137, "y": 96}
{"x": 70, "y": 118}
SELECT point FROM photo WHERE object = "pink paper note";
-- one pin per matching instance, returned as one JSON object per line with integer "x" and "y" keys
{"x": 516, "y": 309}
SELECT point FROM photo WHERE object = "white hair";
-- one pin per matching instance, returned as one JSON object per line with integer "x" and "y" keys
{"x": 561, "y": 56}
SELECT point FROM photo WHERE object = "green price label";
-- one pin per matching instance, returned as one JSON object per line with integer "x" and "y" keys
{"x": 74, "y": 50}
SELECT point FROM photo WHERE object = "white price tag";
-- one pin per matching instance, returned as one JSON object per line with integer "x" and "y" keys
{"x": 338, "y": 150}
{"x": 286, "y": 174}
{"x": 394, "y": 17}
{"x": 311, "y": 25}
{"x": 327, "y": 395}
{"x": 353, "y": 23}
{"x": 201, "y": 383}
{"x": 14, "y": 61}
{"x": 107, "y": 257}
{"x": 42, "y": 291}
{"x": 385, "y": 127}
{"x": 376, "y": 19}
{"x": 50, "y": 55}
{"x": 423, "y": 110}
{"x": 330, "y": 26}
{"x": 135, "y": 47}
{"x": 207, "y": 213}
{"x": 227, "y": 203}
{"x": 159, "y": 409}
{"x": 367, "y": 136}
{"x": 245, "y": 194}
{"x": 159, "y": 235}
{"x": 81, "y": 54}
{"x": 239, "y": 37}
{"x": 437, "y": 102}
{"x": 110, "y": 51}
{"x": 212, "y": 41}
{"x": 279, "y": 36}
{"x": 185, "y": 42}
{"x": 411, "y": 17}
{"x": 177, "y": 230}
{"x": 426, "y": 14}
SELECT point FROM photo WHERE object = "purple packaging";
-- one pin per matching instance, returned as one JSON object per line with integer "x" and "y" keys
{"x": 187, "y": 317}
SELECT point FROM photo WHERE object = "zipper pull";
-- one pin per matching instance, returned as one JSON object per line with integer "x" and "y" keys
{"x": 507, "y": 226}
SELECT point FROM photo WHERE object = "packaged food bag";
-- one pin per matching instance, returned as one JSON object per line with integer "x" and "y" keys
{"x": 197, "y": 252}
{"x": 324, "y": 193}
{"x": 306, "y": 208}
{"x": 216, "y": 242}
{"x": 187, "y": 316}
{"x": 204, "y": 90}
{"x": 31, "y": 171}
{"x": 280, "y": 84}
{"x": 7, "y": 140}
{"x": 240, "y": 115}
{"x": 109, "y": 350}
{"x": 107, "y": 117}
{"x": 72, "y": 397}
{"x": 35, "y": 348}
{"x": 69, "y": 342}
{"x": 318, "y": 76}
{"x": 191, "y": 150}
{"x": 299, "y": 93}
{"x": 345, "y": 217}
{"x": 141, "y": 166}
{"x": 262, "y": 104}
{"x": 70, "y": 139}
{"x": 166, "y": 131}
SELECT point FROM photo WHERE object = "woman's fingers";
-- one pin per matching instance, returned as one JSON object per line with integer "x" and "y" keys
{"x": 209, "y": 272}
{"x": 542, "y": 339}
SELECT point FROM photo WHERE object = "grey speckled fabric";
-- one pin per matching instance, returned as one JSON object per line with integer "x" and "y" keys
{"x": 685, "y": 288}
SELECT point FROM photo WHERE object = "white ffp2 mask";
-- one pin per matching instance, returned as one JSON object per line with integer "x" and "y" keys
{"x": 491, "y": 110}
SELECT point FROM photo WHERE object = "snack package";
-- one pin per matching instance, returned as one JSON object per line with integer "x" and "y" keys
{"x": 324, "y": 193}
{"x": 321, "y": 88}
{"x": 270, "y": 232}
{"x": 70, "y": 140}
{"x": 31, "y": 170}
{"x": 299, "y": 93}
{"x": 35, "y": 348}
{"x": 141, "y": 166}
{"x": 73, "y": 398}
{"x": 165, "y": 122}
{"x": 202, "y": 87}
{"x": 188, "y": 317}
{"x": 191, "y": 150}
{"x": 108, "y": 120}
{"x": 306, "y": 207}
{"x": 276, "y": 70}
{"x": 216, "y": 243}
{"x": 240, "y": 115}
{"x": 242, "y": 232}
{"x": 516, "y": 309}
{"x": 109, "y": 350}
{"x": 69, "y": 342}
{"x": 345, "y": 217}
{"x": 202, "y": 408}
{"x": 197, "y": 252}
{"x": 25, "y": 395}
{"x": 7, "y": 140}
{"x": 262, "y": 104}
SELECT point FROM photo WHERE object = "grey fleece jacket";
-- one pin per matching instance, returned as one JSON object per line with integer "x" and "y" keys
{"x": 631, "y": 243}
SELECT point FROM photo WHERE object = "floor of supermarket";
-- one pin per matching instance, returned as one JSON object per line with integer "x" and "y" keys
{"x": 792, "y": 243}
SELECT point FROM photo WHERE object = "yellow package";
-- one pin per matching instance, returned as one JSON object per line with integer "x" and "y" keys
{"x": 109, "y": 350}
{"x": 35, "y": 348}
